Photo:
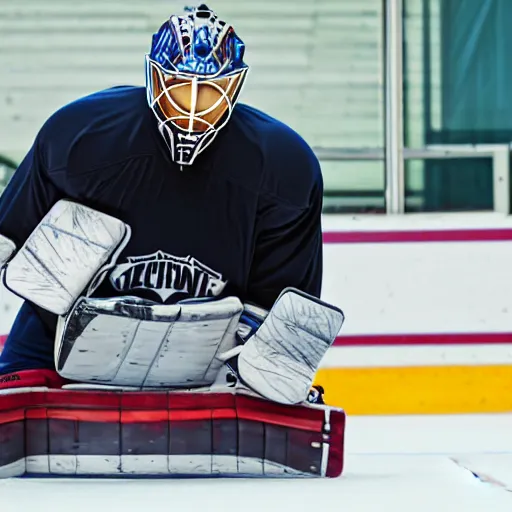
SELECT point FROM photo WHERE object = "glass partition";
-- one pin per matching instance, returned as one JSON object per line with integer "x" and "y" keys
{"x": 457, "y": 80}
{"x": 352, "y": 55}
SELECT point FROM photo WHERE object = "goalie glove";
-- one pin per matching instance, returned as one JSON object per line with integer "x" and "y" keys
{"x": 280, "y": 358}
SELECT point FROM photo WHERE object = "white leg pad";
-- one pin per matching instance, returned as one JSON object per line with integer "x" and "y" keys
{"x": 130, "y": 342}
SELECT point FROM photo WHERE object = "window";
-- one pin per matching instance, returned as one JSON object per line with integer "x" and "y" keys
{"x": 456, "y": 86}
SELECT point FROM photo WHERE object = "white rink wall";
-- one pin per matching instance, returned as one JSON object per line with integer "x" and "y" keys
{"x": 406, "y": 287}
{"x": 443, "y": 286}
{"x": 428, "y": 311}
{"x": 427, "y": 300}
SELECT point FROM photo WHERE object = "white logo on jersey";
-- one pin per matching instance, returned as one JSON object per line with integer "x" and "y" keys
{"x": 167, "y": 275}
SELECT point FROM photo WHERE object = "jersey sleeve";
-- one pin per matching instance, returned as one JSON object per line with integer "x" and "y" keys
{"x": 27, "y": 198}
{"x": 288, "y": 249}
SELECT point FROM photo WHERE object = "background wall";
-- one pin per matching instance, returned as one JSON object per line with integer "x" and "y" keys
{"x": 315, "y": 64}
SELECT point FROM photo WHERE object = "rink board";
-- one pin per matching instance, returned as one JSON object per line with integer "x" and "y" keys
{"x": 428, "y": 308}
{"x": 419, "y": 374}
{"x": 355, "y": 379}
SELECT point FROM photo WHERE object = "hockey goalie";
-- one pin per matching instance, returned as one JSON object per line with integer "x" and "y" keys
{"x": 167, "y": 244}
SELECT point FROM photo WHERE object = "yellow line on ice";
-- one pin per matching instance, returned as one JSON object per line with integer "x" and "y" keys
{"x": 419, "y": 390}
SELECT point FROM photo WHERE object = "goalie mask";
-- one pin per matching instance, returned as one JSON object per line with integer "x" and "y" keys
{"x": 194, "y": 74}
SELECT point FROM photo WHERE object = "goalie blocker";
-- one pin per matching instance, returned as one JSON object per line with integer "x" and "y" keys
{"x": 62, "y": 432}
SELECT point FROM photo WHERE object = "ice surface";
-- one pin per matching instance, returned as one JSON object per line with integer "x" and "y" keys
{"x": 393, "y": 464}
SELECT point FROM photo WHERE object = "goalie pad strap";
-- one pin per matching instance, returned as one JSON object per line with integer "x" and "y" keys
{"x": 59, "y": 432}
{"x": 127, "y": 341}
{"x": 63, "y": 254}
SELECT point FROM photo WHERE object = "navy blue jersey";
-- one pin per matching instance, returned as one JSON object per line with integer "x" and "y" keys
{"x": 244, "y": 220}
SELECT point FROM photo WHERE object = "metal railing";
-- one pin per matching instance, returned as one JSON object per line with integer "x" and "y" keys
{"x": 395, "y": 194}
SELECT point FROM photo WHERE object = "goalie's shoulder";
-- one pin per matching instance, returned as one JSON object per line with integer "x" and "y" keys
{"x": 93, "y": 131}
{"x": 290, "y": 168}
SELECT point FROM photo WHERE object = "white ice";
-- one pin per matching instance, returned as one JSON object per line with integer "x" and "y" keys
{"x": 408, "y": 463}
